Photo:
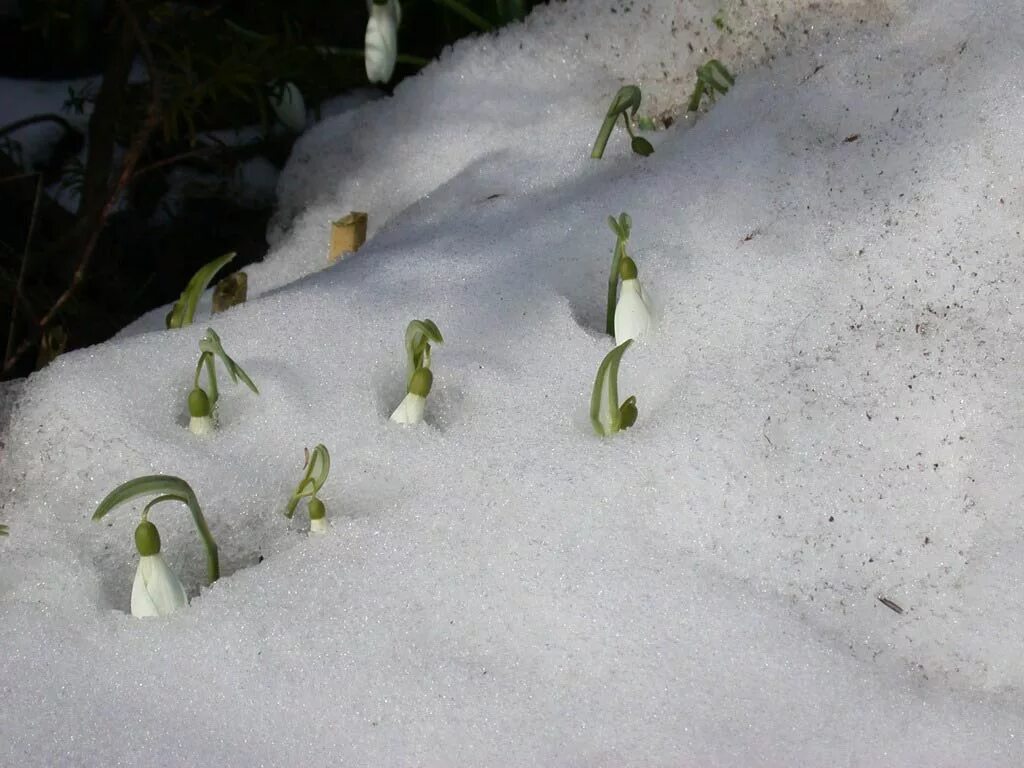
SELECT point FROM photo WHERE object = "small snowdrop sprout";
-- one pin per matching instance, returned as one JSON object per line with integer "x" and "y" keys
{"x": 201, "y": 402}
{"x": 410, "y": 410}
{"x": 712, "y": 78}
{"x": 157, "y": 591}
{"x": 419, "y": 334}
{"x": 317, "y": 466}
{"x": 3, "y": 530}
{"x": 621, "y": 227}
{"x": 632, "y": 314}
{"x": 380, "y": 46}
{"x": 289, "y": 106}
{"x": 607, "y": 416}
{"x": 626, "y": 103}
{"x": 184, "y": 308}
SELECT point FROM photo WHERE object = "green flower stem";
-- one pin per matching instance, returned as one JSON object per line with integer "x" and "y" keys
{"x": 468, "y": 14}
{"x": 621, "y": 227}
{"x": 170, "y": 489}
{"x": 626, "y": 100}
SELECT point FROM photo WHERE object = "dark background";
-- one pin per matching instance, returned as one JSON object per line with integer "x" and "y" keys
{"x": 70, "y": 278}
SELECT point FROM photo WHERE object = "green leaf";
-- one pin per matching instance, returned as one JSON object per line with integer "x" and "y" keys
{"x": 167, "y": 486}
{"x": 211, "y": 344}
{"x": 184, "y": 309}
{"x": 605, "y": 414}
{"x": 3, "y": 530}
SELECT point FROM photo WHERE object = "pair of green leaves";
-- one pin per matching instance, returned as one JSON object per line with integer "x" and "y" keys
{"x": 211, "y": 348}
{"x": 625, "y": 104}
{"x": 712, "y": 78}
{"x": 184, "y": 308}
{"x": 166, "y": 488}
{"x": 317, "y": 466}
{"x": 606, "y": 414}
{"x": 419, "y": 335}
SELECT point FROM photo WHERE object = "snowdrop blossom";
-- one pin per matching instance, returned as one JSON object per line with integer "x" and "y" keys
{"x": 381, "y": 44}
{"x": 289, "y": 106}
{"x": 632, "y": 314}
{"x": 317, "y": 516}
{"x": 156, "y": 591}
{"x": 317, "y": 466}
{"x": 410, "y": 410}
{"x": 201, "y": 404}
{"x": 200, "y": 419}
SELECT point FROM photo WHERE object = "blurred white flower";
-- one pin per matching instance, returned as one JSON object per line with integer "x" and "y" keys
{"x": 289, "y": 106}
{"x": 381, "y": 44}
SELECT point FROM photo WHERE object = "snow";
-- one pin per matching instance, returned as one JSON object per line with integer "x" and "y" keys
{"x": 828, "y": 415}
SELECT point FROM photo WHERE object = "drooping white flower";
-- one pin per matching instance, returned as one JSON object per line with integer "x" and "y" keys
{"x": 289, "y": 106}
{"x": 156, "y": 590}
{"x": 380, "y": 46}
{"x": 632, "y": 313}
{"x": 410, "y": 410}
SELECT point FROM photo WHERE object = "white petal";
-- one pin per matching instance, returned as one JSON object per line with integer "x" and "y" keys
{"x": 289, "y": 106}
{"x": 381, "y": 43}
{"x": 410, "y": 410}
{"x": 156, "y": 591}
{"x": 319, "y": 525}
{"x": 632, "y": 316}
{"x": 201, "y": 425}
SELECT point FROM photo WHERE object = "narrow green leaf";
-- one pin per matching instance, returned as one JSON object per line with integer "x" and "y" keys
{"x": 184, "y": 309}
{"x": 317, "y": 467}
{"x": 604, "y": 400}
{"x": 418, "y": 336}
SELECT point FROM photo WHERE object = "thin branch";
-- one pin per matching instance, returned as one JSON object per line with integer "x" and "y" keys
{"x": 20, "y": 285}
{"x": 27, "y": 121}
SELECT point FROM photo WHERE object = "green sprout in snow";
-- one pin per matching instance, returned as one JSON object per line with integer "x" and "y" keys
{"x": 607, "y": 416}
{"x": 156, "y": 590}
{"x": 418, "y": 380}
{"x": 184, "y": 308}
{"x": 712, "y": 78}
{"x": 317, "y": 466}
{"x": 625, "y": 103}
{"x": 3, "y": 530}
{"x": 200, "y": 401}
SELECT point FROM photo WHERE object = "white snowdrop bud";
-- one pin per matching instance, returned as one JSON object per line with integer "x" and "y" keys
{"x": 381, "y": 44}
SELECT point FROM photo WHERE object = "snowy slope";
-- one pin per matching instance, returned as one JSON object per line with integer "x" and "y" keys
{"x": 828, "y": 414}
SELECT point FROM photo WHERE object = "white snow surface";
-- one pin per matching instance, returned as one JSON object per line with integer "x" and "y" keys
{"x": 829, "y": 413}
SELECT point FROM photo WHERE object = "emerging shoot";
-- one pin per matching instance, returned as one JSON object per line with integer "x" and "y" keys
{"x": 201, "y": 402}
{"x": 626, "y": 103}
{"x": 184, "y": 308}
{"x": 607, "y": 416}
{"x": 317, "y": 466}
{"x": 3, "y": 530}
{"x": 288, "y": 105}
{"x": 712, "y": 78}
{"x": 156, "y": 591}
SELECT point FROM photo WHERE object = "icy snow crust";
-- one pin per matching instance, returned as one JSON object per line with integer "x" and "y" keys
{"x": 829, "y": 413}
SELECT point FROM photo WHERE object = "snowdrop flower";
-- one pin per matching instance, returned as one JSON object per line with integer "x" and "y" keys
{"x": 410, "y": 410}
{"x": 289, "y": 106}
{"x": 317, "y": 465}
{"x": 200, "y": 404}
{"x": 317, "y": 516}
{"x": 632, "y": 315}
{"x": 156, "y": 591}
{"x": 381, "y": 44}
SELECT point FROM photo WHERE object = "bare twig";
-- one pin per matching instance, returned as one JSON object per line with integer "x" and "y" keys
{"x": 20, "y": 285}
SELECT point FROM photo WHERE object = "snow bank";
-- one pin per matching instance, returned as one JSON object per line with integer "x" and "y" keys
{"x": 828, "y": 415}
